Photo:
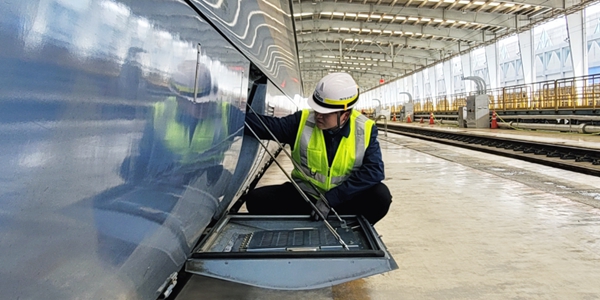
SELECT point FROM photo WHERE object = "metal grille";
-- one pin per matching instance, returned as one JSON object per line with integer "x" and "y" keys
{"x": 310, "y": 239}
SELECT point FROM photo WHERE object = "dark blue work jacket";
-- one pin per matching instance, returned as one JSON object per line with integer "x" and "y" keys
{"x": 285, "y": 130}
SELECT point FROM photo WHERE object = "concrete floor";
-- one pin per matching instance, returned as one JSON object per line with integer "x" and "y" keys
{"x": 467, "y": 225}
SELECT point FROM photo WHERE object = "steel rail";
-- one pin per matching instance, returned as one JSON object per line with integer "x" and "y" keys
{"x": 572, "y": 158}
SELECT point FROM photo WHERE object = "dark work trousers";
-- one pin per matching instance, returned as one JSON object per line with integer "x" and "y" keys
{"x": 284, "y": 199}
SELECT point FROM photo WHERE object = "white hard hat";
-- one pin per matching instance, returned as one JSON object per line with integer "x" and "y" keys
{"x": 334, "y": 92}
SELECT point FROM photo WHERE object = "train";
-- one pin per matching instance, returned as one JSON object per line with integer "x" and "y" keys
{"x": 123, "y": 155}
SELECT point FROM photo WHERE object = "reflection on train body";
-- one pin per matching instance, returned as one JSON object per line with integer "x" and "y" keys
{"x": 112, "y": 164}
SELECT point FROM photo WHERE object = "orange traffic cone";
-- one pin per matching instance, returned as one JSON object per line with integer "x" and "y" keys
{"x": 408, "y": 120}
{"x": 431, "y": 119}
{"x": 494, "y": 124}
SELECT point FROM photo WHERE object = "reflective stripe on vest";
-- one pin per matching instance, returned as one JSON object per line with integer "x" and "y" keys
{"x": 310, "y": 152}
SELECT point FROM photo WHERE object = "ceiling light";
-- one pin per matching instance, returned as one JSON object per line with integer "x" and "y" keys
{"x": 326, "y": 13}
{"x": 448, "y": 1}
{"x": 464, "y": 2}
{"x": 526, "y": 6}
{"x": 509, "y": 4}
{"x": 345, "y": 28}
{"x": 425, "y": 19}
{"x": 413, "y": 19}
{"x": 479, "y": 3}
{"x": 338, "y": 14}
{"x": 350, "y": 15}
{"x": 388, "y": 17}
{"x": 462, "y": 22}
{"x": 303, "y": 14}
{"x": 363, "y": 15}
{"x": 387, "y": 31}
{"x": 375, "y": 16}
{"x": 494, "y": 4}
{"x": 397, "y": 32}
{"x": 376, "y": 30}
{"x": 400, "y": 18}
{"x": 365, "y": 30}
{"x": 438, "y": 20}
{"x": 355, "y": 29}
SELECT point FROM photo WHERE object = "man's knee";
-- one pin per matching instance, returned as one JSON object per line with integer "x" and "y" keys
{"x": 274, "y": 199}
{"x": 382, "y": 195}
{"x": 250, "y": 200}
{"x": 258, "y": 200}
{"x": 381, "y": 201}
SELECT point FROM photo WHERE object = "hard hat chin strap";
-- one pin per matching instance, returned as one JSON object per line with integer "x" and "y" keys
{"x": 339, "y": 123}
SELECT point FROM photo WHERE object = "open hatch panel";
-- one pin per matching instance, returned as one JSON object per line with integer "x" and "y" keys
{"x": 289, "y": 252}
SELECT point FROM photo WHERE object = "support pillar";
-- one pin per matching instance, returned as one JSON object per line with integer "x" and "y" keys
{"x": 466, "y": 70}
{"x": 579, "y": 56}
{"x": 491, "y": 59}
{"x": 526, "y": 52}
{"x": 448, "y": 77}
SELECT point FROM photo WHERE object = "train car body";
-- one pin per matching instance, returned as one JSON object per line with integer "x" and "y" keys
{"x": 121, "y": 136}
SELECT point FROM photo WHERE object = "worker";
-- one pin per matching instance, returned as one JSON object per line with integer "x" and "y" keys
{"x": 336, "y": 149}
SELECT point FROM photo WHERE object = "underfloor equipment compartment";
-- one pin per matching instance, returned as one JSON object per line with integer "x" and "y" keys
{"x": 290, "y": 252}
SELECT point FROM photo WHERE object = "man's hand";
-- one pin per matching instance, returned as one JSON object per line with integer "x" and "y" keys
{"x": 323, "y": 208}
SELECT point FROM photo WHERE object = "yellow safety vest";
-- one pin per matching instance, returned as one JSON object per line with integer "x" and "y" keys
{"x": 176, "y": 136}
{"x": 310, "y": 152}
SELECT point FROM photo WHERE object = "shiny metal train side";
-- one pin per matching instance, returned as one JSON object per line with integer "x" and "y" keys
{"x": 98, "y": 199}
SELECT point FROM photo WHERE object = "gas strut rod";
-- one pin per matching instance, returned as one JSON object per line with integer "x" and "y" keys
{"x": 302, "y": 193}
{"x": 317, "y": 191}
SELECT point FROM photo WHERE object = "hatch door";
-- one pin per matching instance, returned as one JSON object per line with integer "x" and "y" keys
{"x": 290, "y": 252}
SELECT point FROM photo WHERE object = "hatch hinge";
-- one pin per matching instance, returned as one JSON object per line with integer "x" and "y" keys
{"x": 167, "y": 287}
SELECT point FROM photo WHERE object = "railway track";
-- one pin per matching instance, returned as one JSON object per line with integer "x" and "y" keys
{"x": 577, "y": 159}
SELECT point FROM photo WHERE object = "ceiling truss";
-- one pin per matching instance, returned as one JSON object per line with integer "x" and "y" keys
{"x": 386, "y": 39}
